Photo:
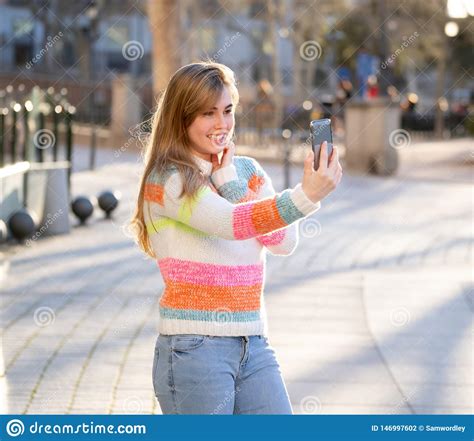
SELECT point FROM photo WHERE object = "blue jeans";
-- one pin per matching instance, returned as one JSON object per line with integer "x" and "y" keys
{"x": 202, "y": 374}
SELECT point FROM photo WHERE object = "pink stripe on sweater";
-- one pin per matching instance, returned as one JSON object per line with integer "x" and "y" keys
{"x": 273, "y": 239}
{"x": 242, "y": 222}
{"x": 178, "y": 270}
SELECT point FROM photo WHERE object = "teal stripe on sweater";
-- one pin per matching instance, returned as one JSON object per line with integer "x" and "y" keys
{"x": 160, "y": 179}
{"x": 245, "y": 166}
{"x": 209, "y": 316}
{"x": 234, "y": 191}
{"x": 287, "y": 209}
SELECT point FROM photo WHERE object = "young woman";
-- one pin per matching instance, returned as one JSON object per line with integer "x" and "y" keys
{"x": 208, "y": 222}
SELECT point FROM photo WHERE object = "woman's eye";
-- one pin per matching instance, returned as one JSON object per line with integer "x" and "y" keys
{"x": 227, "y": 112}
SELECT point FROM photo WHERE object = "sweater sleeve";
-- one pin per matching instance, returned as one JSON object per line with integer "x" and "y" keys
{"x": 213, "y": 215}
{"x": 279, "y": 243}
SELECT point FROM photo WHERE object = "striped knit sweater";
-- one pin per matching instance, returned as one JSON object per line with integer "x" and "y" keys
{"x": 211, "y": 251}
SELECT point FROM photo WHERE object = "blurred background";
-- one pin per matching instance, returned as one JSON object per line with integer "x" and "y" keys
{"x": 388, "y": 278}
{"x": 109, "y": 60}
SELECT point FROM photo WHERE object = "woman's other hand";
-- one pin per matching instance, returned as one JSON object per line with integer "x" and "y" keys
{"x": 317, "y": 184}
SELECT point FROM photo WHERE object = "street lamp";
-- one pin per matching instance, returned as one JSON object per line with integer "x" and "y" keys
{"x": 89, "y": 29}
{"x": 451, "y": 29}
{"x": 333, "y": 37}
{"x": 460, "y": 8}
{"x": 92, "y": 12}
{"x": 456, "y": 9}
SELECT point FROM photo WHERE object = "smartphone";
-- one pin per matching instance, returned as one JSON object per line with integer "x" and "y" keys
{"x": 320, "y": 131}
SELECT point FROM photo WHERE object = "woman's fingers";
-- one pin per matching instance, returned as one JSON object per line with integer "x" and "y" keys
{"x": 334, "y": 160}
{"x": 309, "y": 163}
{"x": 227, "y": 154}
{"x": 323, "y": 156}
{"x": 215, "y": 160}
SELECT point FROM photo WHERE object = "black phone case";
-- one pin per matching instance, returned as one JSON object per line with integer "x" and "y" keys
{"x": 321, "y": 131}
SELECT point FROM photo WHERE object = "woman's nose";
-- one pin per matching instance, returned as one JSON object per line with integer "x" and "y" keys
{"x": 220, "y": 122}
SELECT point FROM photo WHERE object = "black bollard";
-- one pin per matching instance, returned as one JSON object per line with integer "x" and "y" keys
{"x": 82, "y": 207}
{"x": 22, "y": 224}
{"x": 108, "y": 201}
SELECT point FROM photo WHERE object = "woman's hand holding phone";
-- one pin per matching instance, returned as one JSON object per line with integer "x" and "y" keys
{"x": 317, "y": 184}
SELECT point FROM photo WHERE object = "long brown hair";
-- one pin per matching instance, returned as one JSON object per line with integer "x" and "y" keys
{"x": 191, "y": 89}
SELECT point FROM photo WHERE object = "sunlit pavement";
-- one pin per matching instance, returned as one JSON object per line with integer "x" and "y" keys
{"x": 371, "y": 314}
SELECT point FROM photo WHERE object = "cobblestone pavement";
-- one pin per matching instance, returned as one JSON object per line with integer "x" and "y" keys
{"x": 379, "y": 296}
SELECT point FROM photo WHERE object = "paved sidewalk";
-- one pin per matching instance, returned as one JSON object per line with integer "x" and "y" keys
{"x": 379, "y": 292}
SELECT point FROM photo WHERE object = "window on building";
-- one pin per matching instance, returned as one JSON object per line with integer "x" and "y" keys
{"x": 116, "y": 61}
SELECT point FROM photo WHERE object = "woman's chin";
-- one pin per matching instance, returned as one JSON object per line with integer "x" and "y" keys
{"x": 217, "y": 148}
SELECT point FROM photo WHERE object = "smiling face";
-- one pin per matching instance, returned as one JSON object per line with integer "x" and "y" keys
{"x": 212, "y": 128}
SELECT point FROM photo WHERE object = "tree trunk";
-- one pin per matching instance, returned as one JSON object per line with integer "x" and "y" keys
{"x": 164, "y": 19}
{"x": 274, "y": 23}
{"x": 440, "y": 80}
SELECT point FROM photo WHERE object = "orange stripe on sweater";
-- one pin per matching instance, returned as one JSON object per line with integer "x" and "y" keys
{"x": 182, "y": 295}
{"x": 266, "y": 214}
{"x": 154, "y": 193}
{"x": 250, "y": 196}
{"x": 255, "y": 182}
